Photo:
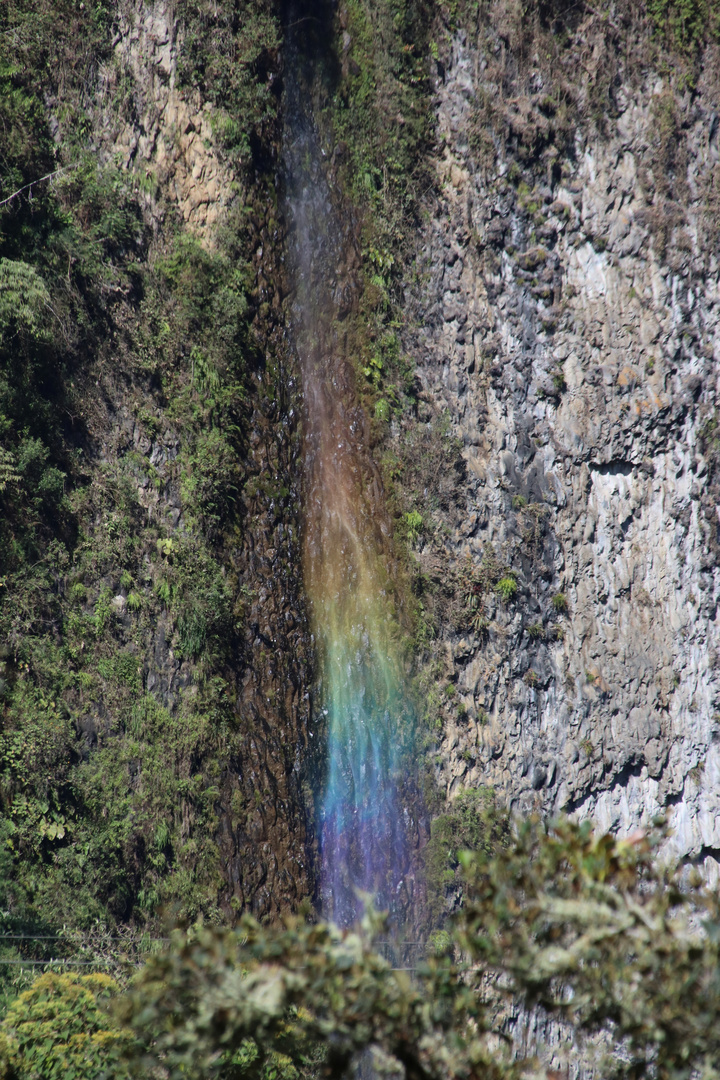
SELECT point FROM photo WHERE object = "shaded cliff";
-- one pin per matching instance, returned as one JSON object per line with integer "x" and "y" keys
{"x": 529, "y": 328}
{"x": 156, "y": 657}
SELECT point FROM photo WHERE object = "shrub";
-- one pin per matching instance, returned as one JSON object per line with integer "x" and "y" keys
{"x": 472, "y": 822}
{"x": 684, "y": 23}
{"x": 413, "y": 525}
{"x": 440, "y": 942}
{"x": 24, "y": 301}
{"x": 563, "y": 921}
{"x": 507, "y": 589}
{"x": 59, "y": 1030}
{"x": 228, "y": 53}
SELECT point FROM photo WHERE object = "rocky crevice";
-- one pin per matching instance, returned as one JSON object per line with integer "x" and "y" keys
{"x": 158, "y": 129}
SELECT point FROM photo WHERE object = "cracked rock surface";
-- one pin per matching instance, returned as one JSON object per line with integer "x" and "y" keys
{"x": 573, "y": 338}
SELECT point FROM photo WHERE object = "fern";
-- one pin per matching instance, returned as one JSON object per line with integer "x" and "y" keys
{"x": 8, "y": 469}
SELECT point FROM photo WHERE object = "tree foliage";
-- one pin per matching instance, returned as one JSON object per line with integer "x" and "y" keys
{"x": 290, "y": 990}
{"x": 584, "y": 927}
{"x": 598, "y": 932}
{"x": 59, "y": 1030}
{"x": 594, "y": 931}
{"x": 230, "y": 52}
{"x": 99, "y": 314}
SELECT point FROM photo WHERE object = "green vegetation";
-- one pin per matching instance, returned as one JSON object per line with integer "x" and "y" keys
{"x": 129, "y": 351}
{"x": 472, "y": 822}
{"x": 413, "y": 522}
{"x": 607, "y": 938}
{"x": 229, "y": 54}
{"x": 374, "y": 104}
{"x": 685, "y": 24}
{"x": 584, "y": 928}
{"x": 476, "y": 582}
{"x": 506, "y": 588}
{"x": 120, "y": 607}
{"x": 559, "y": 384}
{"x": 384, "y": 65}
{"x": 84, "y": 865}
{"x": 59, "y": 1029}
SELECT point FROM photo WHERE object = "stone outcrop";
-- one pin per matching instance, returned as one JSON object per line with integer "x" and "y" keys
{"x": 571, "y": 329}
{"x": 161, "y": 131}
{"x": 565, "y": 321}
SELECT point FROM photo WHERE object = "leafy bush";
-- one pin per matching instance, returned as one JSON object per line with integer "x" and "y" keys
{"x": 685, "y": 24}
{"x": 604, "y": 934}
{"x": 59, "y": 1029}
{"x": 286, "y": 992}
{"x": 624, "y": 951}
{"x": 212, "y": 480}
{"x": 413, "y": 525}
{"x": 506, "y": 588}
{"x": 621, "y": 948}
{"x": 473, "y": 822}
{"x": 230, "y": 53}
{"x": 24, "y": 301}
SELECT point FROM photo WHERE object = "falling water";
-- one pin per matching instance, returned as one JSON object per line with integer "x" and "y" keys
{"x": 363, "y": 837}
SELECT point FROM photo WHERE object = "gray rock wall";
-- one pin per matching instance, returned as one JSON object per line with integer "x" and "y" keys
{"x": 571, "y": 329}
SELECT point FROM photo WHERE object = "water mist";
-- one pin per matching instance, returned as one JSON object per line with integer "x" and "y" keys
{"x": 361, "y": 686}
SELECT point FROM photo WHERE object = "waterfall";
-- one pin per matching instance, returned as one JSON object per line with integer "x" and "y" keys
{"x": 361, "y": 685}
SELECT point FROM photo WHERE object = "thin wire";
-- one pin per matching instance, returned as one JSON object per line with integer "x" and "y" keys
{"x": 59, "y": 937}
{"x": 65, "y": 963}
{"x": 31, "y": 185}
{"x": 30, "y": 937}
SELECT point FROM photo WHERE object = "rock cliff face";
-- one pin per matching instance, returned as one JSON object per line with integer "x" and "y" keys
{"x": 566, "y": 325}
{"x": 542, "y": 407}
{"x": 568, "y": 322}
{"x": 158, "y": 129}
{"x": 165, "y": 134}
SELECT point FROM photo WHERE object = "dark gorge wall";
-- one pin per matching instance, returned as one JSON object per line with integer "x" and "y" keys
{"x": 156, "y": 657}
{"x": 527, "y": 316}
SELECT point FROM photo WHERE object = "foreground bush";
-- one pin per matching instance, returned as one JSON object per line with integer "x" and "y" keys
{"x": 59, "y": 1029}
{"x": 587, "y": 928}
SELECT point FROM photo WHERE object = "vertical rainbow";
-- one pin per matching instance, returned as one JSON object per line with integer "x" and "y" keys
{"x": 345, "y": 559}
{"x": 368, "y": 721}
